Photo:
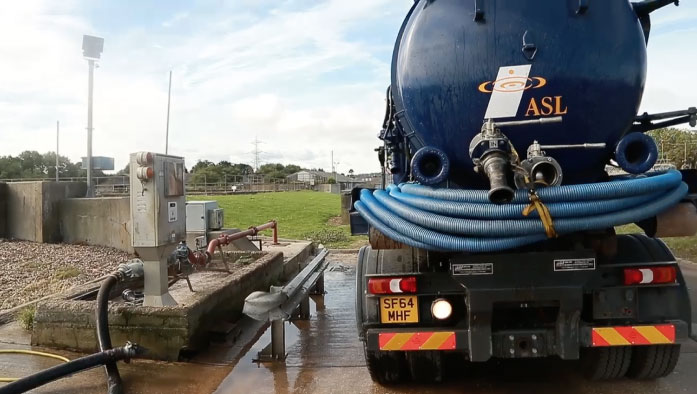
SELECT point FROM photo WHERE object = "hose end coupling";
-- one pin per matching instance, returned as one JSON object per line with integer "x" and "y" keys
{"x": 490, "y": 151}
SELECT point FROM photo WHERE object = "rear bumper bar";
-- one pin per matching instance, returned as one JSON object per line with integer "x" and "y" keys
{"x": 523, "y": 343}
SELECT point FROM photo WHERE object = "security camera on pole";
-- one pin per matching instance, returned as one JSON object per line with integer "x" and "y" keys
{"x": 91, "y": 49}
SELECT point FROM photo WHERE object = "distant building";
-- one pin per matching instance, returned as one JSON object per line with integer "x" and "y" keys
{"x": 99, "y": 163}
{"x": 314, "y": 178}
{"x": 372, "y": 180}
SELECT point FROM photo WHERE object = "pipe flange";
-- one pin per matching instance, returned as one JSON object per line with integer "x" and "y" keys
{"x": 430, "y": 166}
{"x": 636, "y": 153}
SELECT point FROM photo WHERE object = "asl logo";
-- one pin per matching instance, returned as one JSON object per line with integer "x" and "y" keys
{"x": 512, "y": 84}
{"x": 548, "y": 106}
{"x": 507, "y": 94}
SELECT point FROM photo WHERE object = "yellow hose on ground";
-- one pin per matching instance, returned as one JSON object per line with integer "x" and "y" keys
{"x": 32, "y": 352}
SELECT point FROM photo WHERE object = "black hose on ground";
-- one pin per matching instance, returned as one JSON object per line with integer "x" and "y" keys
{"x": 107, "y": 357}
{"x": 113, "y": 377}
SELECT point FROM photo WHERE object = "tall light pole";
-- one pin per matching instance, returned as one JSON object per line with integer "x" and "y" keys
{"x": 57, "y": 139}
{"x": 334, "y": 163}
{"x": 91, "y": 49}
{"x": 169, "y": 95}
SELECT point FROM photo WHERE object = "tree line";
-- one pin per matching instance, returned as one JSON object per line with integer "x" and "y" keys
{"x": 35, "y": 165}
{"x": 678, "y": 147}
{"x": 206, "y": 171}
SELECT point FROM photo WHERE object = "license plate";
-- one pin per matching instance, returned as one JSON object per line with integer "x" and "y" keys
{"x": 399, "y": 309}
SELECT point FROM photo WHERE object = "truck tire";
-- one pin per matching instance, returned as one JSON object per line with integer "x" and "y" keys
{"x": 386, "y": 368}
{"x": 607, "y": 363}
{"x": 652, "y": 362}
{"x": 425, "y": 366}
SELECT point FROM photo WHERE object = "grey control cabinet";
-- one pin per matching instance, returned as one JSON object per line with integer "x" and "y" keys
{"x": 158, "y": 217}
{"x": 158, "y": 202}
{"x": 203, "y": 216}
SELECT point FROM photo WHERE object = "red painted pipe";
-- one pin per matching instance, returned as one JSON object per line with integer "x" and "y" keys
{"x": 225, "y": 239}
{"x": 197, "y": 258}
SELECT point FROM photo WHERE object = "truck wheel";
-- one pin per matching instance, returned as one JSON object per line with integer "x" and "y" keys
{"x": 386, "y": 368}
{"x": 607, "y": 363}
{"x": 652, "y": 362}
{"x": 425, "y": 366}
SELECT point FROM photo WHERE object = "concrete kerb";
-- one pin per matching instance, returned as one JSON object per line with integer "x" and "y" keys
{"x": 68, "y": 324}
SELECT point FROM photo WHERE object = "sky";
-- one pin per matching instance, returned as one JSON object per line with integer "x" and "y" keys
{"x": 305, "y": 77}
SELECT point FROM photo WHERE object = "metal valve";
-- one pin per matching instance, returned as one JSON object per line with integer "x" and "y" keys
{"x": 490, "y": 151}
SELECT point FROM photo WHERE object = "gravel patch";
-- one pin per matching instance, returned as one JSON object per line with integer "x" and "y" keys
{"x": 30, "y": 270}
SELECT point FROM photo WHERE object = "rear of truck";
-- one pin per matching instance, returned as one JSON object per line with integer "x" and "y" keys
{"x": 618, "y": 301}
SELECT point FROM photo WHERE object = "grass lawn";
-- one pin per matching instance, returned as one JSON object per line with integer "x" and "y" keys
{"x": 683, "y": 247}
{"x": 300, "y": 215}
{"x": 314, "y": 216}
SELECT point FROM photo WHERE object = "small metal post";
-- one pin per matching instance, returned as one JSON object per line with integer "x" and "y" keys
{"x": 278, "y": 340}
{"x": 275, "y": 233}
{"x": 278, "y": 334}
{"x": 319, "y": 285}
{"x": 304, "y": 309}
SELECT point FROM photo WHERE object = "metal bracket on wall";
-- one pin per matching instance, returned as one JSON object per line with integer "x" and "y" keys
{"x": 582, "y": 7}
{"x": 478, "y": 10}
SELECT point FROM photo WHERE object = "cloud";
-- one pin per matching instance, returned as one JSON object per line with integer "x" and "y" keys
{"x": 304, "y": 77}
{"x": 237, "y": 74}
{"x": 179, "y": 16}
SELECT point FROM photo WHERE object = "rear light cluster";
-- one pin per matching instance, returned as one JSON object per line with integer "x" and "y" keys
{"x": 649, "y": 275}
{"x": 405, "y": 284}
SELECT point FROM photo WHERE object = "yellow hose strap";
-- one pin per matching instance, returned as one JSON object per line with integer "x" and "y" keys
{"x": 537, "y": 205}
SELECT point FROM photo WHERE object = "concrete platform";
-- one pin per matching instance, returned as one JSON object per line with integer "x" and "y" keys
{"x": 218, "y": 297}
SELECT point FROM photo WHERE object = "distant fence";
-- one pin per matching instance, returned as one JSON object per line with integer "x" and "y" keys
{"x": 119, "y": 185}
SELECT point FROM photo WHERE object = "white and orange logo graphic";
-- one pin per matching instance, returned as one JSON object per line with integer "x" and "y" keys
{"x": 507, "y": 93}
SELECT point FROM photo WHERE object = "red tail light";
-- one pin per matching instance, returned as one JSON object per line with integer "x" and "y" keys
{"x": 392, "y": 285}
{"x": 649, "y": 275}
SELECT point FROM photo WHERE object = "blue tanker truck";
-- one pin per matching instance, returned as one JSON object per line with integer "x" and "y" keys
{"x": 495, "y": 237}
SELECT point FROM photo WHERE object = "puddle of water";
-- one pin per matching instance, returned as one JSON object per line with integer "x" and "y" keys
{"x": 249, "y": 373}
{"x": 327, "y": 340}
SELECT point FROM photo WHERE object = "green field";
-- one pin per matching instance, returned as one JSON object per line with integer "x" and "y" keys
{"x": 314, "y": 216}
{"x": 300, "y": 215}
{"x": 683, "y": 247}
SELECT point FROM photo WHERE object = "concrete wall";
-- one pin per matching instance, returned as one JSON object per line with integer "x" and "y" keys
{"x": 345, "y": 207}
{"x": 53, "y": 193}
{"x": 32, "y": 208}
{"x": 97, "y": 221}
{"x": 24, "y": 211}
{"x": 67, "y": 324}
{"x": 3, "y": 209}
{"x": 334, "y": 188}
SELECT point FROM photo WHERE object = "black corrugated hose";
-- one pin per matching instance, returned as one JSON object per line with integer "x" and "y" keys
{"x": 112, "y": 371}
{"x": 60, "y": 371}
{"x": 107, "y": 356}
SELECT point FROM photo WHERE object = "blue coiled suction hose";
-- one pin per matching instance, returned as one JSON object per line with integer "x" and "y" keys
{"x": 465, "y": 220}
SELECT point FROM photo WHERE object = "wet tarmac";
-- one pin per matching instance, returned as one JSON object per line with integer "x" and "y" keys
{"x": 325, "y": 356}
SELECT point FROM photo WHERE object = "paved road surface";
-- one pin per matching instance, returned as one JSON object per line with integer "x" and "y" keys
{"x": 324, "y": 356}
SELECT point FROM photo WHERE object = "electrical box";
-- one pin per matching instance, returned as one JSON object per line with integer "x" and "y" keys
{"x": 158, "y": 201}
{"x": 215, "y": 219}
{"x": 203, "y": 216}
